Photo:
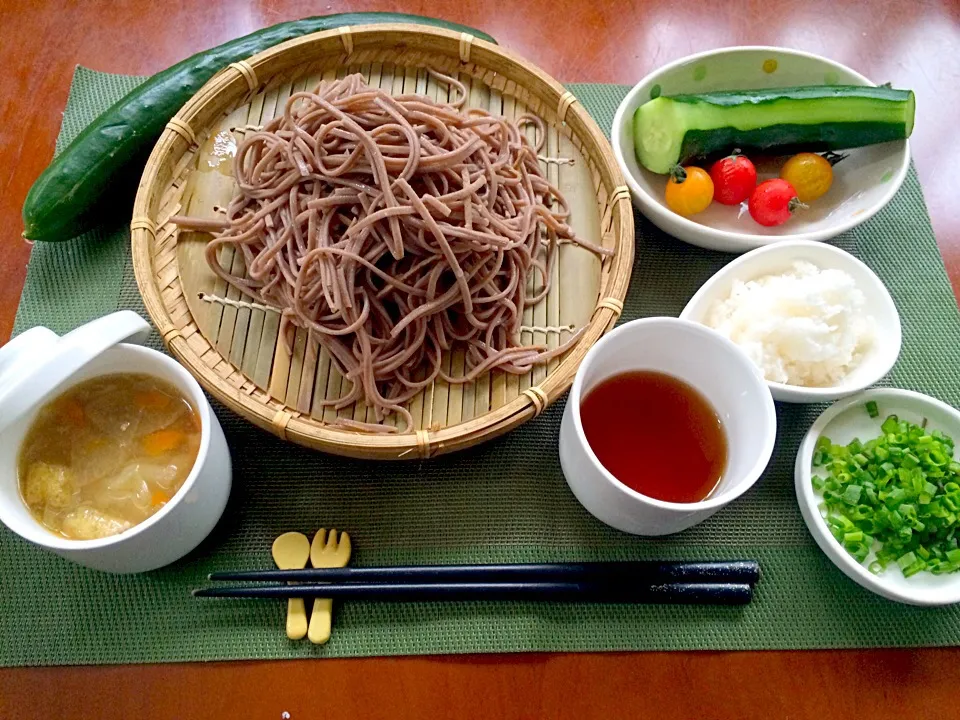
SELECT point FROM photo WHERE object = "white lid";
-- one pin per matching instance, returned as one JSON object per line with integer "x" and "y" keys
{"x": 36, "y": 362}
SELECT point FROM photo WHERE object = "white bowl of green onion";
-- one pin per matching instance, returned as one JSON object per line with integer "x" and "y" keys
{"x": 878, "y": 484}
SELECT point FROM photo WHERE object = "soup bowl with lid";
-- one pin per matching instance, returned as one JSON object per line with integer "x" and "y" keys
{"x": 39, "y": 365}
{"x": 709, "y": 363}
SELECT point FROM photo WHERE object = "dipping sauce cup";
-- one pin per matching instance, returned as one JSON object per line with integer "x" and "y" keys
{"x": 712, "y": 365}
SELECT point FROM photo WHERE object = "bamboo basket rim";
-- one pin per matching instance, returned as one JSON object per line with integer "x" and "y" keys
{"x": 245, "y": 78}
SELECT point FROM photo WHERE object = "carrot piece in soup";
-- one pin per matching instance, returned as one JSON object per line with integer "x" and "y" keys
{"x": 161, "y": 441}
{"x": 152, "y": 399}
{"x": 71, "y": 412}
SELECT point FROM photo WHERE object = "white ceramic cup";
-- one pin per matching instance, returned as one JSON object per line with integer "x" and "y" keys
{"x": 174, "y": 530}
{"x": 703, "y": 359}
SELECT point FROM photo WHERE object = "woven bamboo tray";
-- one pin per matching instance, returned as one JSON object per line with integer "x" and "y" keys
{"x": 231, "y": 344}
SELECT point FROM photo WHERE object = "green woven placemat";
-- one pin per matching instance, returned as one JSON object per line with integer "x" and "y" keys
{"x": 504, "y": 502}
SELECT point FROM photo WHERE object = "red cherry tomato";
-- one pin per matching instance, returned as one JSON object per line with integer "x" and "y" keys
{"x": 734, "y": 178}
{"x": 773, "y": 202}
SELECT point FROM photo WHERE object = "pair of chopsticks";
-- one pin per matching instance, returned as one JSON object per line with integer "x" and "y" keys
{"x": 714, "y": 582}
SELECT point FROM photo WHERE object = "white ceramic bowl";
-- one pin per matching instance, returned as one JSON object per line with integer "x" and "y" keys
{"x": 842, "y": 422}
{"x": 777, "y": 258}
{"x": 179, "y": 526}
{"x": 711, "y": 364}
{"x": 863, "y": 183}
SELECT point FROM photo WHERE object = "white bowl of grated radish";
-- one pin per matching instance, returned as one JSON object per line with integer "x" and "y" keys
{"x": 817, "y": 321}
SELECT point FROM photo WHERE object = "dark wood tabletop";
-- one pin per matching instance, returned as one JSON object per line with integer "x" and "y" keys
{"x": 914, "y": 44}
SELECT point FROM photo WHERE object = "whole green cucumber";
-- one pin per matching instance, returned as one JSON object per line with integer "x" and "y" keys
{"x": 60, "y": 202}
{"x": 669, "y": 130}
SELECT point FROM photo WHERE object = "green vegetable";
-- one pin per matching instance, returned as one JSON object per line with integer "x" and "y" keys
{"x": 898, "y": 494}
{"x": 61, "y": 202}
{"x": 670, "y": 130}
{"x": 872, "y": 409}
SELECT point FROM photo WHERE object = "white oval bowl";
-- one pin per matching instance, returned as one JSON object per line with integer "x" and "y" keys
{"x": 863, "y": 183}
{"x": 703, "y": 359}
{"x": 170, "y": 533}
{"x": 842, "y": 422}
{"x": 885, "y": 349}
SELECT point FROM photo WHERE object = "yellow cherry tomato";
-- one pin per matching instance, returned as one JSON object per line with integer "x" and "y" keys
{"x": 689, "y": 190}
{"x": 810, "y": 174}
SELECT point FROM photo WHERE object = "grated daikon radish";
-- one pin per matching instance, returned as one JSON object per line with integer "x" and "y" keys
{"x": 806, "y": 326}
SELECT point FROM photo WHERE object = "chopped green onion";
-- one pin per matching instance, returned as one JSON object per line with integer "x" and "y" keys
{"x": 890, "y": 425}
{"x": 914, "y": 568}
{"x": 897, "y": 494}
{"x": 906, "y": 560}
{"x": 852, "y": 494}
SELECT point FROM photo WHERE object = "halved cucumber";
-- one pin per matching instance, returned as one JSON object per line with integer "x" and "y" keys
{"x": 672, "y": 129}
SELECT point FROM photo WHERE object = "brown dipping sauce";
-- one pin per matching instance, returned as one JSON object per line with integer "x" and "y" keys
{"x": 656, "y": 434}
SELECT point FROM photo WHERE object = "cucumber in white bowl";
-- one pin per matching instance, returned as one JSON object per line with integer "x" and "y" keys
{"x": 668, "y": 131}
{"x": 805, "y": 103}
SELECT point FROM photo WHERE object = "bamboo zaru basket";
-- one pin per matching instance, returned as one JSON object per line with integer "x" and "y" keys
{"x": 232, "y": 344}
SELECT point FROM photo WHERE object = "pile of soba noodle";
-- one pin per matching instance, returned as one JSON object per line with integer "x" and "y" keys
{"x": 394, "y": 228}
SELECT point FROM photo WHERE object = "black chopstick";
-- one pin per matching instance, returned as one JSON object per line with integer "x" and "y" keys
{"x": 649, "y": 572}
{"x": 669, "y": 593}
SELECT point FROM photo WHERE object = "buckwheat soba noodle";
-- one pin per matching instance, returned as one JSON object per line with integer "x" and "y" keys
{"x": 394, "y": 229}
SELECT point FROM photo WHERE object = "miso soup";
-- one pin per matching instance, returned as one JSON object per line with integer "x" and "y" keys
{"x": 107, "y": 454}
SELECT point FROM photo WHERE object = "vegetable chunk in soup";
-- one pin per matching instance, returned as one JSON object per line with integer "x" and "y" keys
{"x": 107, "y": 454}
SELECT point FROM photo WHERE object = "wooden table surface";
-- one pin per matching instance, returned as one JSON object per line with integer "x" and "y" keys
{"x": 913, "y": 44}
